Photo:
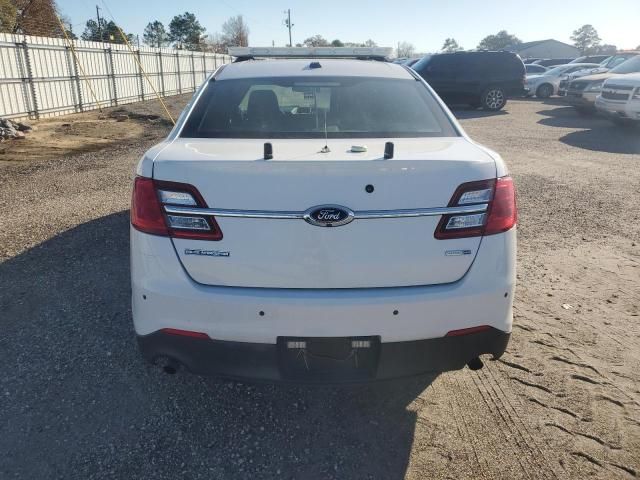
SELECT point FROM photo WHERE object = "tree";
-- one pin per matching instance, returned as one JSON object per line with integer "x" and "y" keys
{"x": 155, "y": 35}
{"x": 405, "y": 49}
{"x": 606, "y": 49}
{"x": 370, "y": 43}
{"x": 36, "y": 17}
{"x": 235, "y": 32}
{"x": 8, "y": 16}
{"x": 185, "y": 32}
{"x": 337, "y": 43}
{"x": 105, "y": 32}
{"x": 450, "y": 45}
{"x": 586, "y": 39}
{"x": 213, "y": 43}
{"x": 499, "y": 41}
{"x": 66, "y": 21}
{"x": 316, "y": 41}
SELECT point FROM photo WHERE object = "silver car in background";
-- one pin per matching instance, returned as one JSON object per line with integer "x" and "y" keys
{"x": 546, "y": 84}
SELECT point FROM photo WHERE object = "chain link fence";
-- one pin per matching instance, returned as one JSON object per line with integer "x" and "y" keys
{"x": 40, "y": 76}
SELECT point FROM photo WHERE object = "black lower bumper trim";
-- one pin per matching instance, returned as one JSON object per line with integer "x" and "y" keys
{"x": 279, "y": 363}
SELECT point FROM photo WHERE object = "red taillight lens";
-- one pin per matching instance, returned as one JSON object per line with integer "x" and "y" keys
{"x": 148, "y": 213}
{"x": 468, "y": 331}
{"x": 503, "y": 213}
{"x": 146, "y": 210}
{"x": 184, "y": 333}
{"x": 500, "y": 215}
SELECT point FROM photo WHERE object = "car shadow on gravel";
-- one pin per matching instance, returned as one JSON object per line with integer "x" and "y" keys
{"x": 79, "y": 402}
{"x": 598, "y": 134}
{"x": 608, "y": 139}
{"x": 568, "y": 117}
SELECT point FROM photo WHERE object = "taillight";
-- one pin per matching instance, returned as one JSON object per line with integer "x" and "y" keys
{"x": 500, "y": 214}
{"x": 148, "y": 214}
{"x": 503, "y": 213}
{"x": 146, "y": 211}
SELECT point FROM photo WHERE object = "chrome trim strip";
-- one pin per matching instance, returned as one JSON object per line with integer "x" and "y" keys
{"x": 421, "y": 212}
{"x": 362, "y": 215}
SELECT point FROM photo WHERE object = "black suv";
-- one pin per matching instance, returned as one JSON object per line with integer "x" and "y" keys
{"x": 480, "y": 79}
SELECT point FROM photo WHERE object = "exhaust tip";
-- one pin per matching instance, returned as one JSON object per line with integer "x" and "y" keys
{"x": 475, "y": 364}
{"x": 168, "y": 365}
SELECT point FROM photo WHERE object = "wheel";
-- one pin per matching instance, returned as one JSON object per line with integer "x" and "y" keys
{"x": 493, "y": 99}
{"x": 544, "y": 91}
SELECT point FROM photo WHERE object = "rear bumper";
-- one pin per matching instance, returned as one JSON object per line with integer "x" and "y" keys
{"x": 409, "y": 324}
{"x": 277, "y": 363}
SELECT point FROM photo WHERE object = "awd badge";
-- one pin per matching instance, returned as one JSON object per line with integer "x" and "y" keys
{"x": 206, "y": 253}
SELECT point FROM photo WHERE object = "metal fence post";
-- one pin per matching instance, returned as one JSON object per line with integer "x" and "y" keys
{"x": 140, "y": 75}
{"x": 32, "y": 86}
{"x": 113, "y": 76}
{"x": 178, "y": 73}
{"x": 161, "y": 73}
{"x": 70, "y": 67}
{"x": 204, "y": 66}
{"x": 76, "y": 77}
{"x": 193, "y": 71}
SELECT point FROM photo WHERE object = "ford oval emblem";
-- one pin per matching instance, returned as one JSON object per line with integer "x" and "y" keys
{"x": 329, "y": 216}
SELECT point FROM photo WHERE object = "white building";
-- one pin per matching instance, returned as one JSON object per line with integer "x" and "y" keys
{"x": 545, "y": 49}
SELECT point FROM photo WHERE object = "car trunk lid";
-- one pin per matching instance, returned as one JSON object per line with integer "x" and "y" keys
{"x": 291, "y": 253}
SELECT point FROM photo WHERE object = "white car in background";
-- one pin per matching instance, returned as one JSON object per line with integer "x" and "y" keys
{"x": 321, "y": 220}
{"x": 619, "y": 99}
{"x": 546, "y": 84}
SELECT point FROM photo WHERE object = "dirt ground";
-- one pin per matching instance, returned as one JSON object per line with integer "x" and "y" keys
{"x": 564, "y": 402}
{"x": 86, "y": 132}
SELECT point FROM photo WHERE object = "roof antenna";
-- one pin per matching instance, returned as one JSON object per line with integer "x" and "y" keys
{"x": 388, "y": 150}
{"x": 268, "y": 151}
{"x": 326, "y": 148}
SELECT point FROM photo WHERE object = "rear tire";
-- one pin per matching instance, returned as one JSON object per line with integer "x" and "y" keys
{"x": 544, "y": 91}
{"x": 493, "y": 99}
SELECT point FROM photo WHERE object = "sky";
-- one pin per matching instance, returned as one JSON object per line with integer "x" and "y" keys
{"x": 424, "y": 23}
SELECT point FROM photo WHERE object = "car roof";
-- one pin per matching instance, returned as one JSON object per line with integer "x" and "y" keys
{"x": 582, "y": 64}
{"x": 301, "y": 68}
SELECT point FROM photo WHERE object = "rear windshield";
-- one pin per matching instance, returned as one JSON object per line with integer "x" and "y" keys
{"x": 630, "y": 66}
{"x": 341, "y": 107}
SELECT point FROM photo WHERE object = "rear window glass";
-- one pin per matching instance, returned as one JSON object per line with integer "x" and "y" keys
{"x": 630, "y": 66}
{"x": 343, "y": 107}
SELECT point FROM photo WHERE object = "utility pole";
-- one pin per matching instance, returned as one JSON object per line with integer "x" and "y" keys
{"x": 287, "y": 22}
{"x": 99, "y": 24}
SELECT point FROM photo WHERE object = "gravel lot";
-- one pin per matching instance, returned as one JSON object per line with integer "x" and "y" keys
{"x": 564, "y": 402}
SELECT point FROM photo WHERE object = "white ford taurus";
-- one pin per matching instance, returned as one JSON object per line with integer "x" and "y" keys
{"x": 321, "y": 220}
